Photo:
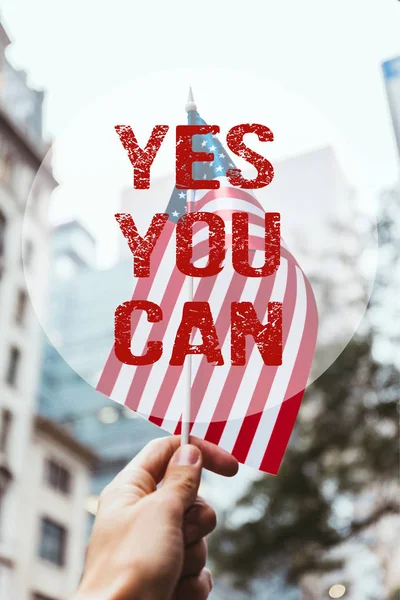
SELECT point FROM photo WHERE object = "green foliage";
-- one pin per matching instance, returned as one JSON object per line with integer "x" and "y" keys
{"x": 345, "y": 446}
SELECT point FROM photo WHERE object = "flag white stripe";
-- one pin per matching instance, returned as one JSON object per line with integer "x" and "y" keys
{"x": 224, "y": 182}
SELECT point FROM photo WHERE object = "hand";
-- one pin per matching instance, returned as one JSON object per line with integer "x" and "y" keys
{"x": 148, "y": 543}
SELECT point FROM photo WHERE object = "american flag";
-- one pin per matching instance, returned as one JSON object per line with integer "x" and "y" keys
{"x": 249, "y": 411}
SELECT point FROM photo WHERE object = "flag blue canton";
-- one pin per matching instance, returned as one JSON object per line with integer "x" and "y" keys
{"x": 201, "y": 170}
{"x": 209, "y": 143}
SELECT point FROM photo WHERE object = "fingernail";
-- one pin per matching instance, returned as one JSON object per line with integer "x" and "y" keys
{"x": 210, "y": 579}
{"x": 187, "y": 455}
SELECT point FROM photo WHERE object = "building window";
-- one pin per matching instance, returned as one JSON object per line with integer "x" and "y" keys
{"x": 14, "y": 359}
{"x": 28, "y": 253}
{"x": 3, "y": 224}
{"x": 6, "y": 166}
{"x": 57, "y": 476}
{"x": 53, "y": 542}
{"x": 6, "y": 420}
{"x": 5, "y": 473}
{"x": 20, "y": 308}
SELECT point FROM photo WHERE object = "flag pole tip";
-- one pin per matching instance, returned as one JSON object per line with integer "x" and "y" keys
{"x": 190, "y": 104}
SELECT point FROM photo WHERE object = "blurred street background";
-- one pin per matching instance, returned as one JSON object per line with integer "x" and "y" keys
{"x": 329, "y": 525}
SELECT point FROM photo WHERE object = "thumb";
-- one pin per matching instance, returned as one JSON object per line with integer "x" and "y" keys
{"x": 183, "y": 475}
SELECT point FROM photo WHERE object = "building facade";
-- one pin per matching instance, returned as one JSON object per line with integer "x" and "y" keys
{"x": 21, "y": 153}
{"x": 57, "y": 480}
{"x": 57, "y": 483}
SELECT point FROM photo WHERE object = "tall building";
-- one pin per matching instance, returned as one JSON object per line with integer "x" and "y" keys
{"x": 57, "y": 480}
{"x": 44, "y": 472}
{"x": 21, "y": 153}
{"x": 391, "y": 72}
{"x": 83, "y": 300}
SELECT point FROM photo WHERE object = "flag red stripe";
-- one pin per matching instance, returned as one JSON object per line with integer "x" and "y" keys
{"x": 215, "y": 430}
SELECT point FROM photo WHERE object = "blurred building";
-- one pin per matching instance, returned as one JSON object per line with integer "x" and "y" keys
{"x": 83, "y": 301}
{"x": 371, "y": 560}
{"x": 21, "y": 154}
{"x": 391, "y": 72}
{"x": 57, "y": 479}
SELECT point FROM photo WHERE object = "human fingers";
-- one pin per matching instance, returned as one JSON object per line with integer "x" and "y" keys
{"x": 195, "y": 558}
{"x": 195, "y": 588}
{"x": 199, "y": 521}
{"x": 182, "y": 479}
{"x": 155, "y": 457}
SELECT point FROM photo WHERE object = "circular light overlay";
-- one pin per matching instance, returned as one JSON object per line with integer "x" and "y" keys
{"x": 328, "y": 236}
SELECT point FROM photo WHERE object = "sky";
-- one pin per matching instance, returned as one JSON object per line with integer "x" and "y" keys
{"x": 310, "y": 70}
{"x": 327, "y": 53}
